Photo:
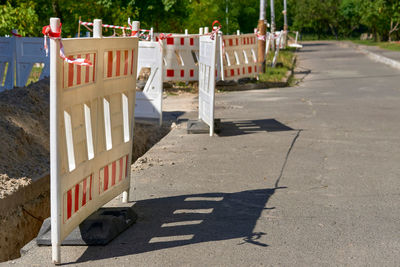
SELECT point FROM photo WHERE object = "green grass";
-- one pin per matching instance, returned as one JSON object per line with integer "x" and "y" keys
{"x": 35, "y": 75}
{"x": 284, "y": 64}
{"x": 383, "y": 45}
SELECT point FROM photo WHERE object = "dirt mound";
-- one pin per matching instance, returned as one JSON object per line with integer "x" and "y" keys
{"x": 24, "y": 135}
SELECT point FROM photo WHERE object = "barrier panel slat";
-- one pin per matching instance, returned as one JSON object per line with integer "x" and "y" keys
{"x": 149, "y": 101}
{"x": 207, "y": 75}
{"x": 91, "y": 143}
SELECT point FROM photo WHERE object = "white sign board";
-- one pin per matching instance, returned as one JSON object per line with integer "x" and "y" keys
{"x": 207, "y": 77}
{"x": 91, "y": 128}
{"x": 149, "y": 101}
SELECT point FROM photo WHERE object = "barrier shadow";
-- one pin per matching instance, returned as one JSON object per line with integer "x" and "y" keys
{"x": 188, "y": 219}
{"x": 240, "y": 127}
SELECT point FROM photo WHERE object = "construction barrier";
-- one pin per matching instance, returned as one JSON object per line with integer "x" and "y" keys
{"x": 239, "y": 56}
{"x": 207, "y": 77}
{"x": 91, "y": 125}
{"x": 149, "y": 101}
{"x": 18, "y": 55}
{"x": 181, "y": 53}
{"x": 279, "y": 41}
{"x": 29, "y": 51}
{"x": 294, "y": 42}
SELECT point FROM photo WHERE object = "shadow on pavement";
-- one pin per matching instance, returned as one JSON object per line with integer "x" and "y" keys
{"x": 240, "y": 127}
{"x": 188, "y": 219}
{"x": 315, "y": 44}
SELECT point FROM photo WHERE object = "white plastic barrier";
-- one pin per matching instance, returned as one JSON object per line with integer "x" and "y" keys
{"x": 20, "y": 54}
{"x": 149, "y": 101}
{"x": 29, "y": 51}
{"x": 295, "y": 44}
{"x": 181, "y": 57}
{"x": 207, "y": 64}
{"x": 239, "y": 56}
{"x": 6, "y": 63}
{"x": 91, "y": 127}
{"x": 279, "y": 41}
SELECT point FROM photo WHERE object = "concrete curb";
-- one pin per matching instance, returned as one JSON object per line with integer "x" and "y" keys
{"x": 375, "y": 57}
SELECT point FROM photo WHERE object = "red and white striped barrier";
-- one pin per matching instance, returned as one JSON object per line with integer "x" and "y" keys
{"x": 181, "y": 53}
{"x": 149, "y": 101}
{"x": 91, "y": 126}
{"x": 239, "y": 56}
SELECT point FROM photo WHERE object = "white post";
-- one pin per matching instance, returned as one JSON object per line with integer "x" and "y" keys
{"x": 238, "y": 32}
{"x": 205, "y": 30}
{"x": 97, "y": 28}
{"x": 152, "y": 34}
{"x": 201, "y": 31}
{"x": 186, "y": 32}
{"x": 55, "y": 107}
{"x": 135, "y": 28}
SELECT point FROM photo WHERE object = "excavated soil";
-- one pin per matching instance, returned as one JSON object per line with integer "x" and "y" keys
{"x": 24, "y": 158}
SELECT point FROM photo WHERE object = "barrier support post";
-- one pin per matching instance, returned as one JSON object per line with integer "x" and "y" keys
{"x": 97, "y": 28}
{"x": 54, "y": 148}
{"x": 201, "y": 31}
{"x": 135, "y": 29}
{"x": 205, "y": 30}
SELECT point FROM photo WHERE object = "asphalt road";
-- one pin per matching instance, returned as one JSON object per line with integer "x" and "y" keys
{"x": 302, "y": 176}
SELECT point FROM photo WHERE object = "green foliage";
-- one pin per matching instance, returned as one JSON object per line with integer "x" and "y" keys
{"x": 22, "y": 17}
{"x": 322, "y": 18}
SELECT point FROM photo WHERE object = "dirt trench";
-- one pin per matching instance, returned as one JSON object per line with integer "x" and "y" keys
{"x": 25, "y": 164}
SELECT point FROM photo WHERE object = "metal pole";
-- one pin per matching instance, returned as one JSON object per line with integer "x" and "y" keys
{"x": 272, "y": 16}
{"x": 261, "y": 43}
{"x": 55, "y": 182}
{"x": 227, "y": 16}
{"x": 285, "y": 23}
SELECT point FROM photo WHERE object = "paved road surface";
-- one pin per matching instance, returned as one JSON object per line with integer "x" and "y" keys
{"x": 303, "y": 176}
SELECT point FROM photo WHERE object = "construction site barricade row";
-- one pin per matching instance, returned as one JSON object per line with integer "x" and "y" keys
{"x": 91, "y": 128}
{"x": 239, "y": 56}
{"x": 20, "y": 54}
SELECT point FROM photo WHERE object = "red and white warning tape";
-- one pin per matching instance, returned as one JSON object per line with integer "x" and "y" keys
{"x": 215, "y": 30}
{"x": 133, "y": 33}
{"x": 259, "y": 36}
{"x": 57, "y": 36}
{"x": 15, "y": 33}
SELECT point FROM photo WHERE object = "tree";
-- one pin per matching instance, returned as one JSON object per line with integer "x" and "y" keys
{"x": 21, "y": 17}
